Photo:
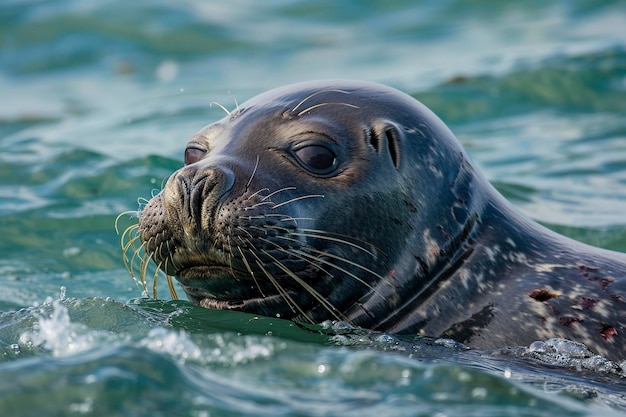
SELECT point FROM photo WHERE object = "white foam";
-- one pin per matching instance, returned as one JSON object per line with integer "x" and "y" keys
{"x": 58, "y": 334}
{"x": 175, "y": 343}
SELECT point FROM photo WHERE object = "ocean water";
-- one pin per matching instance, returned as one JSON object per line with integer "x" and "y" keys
{"x": 98, "y": 100}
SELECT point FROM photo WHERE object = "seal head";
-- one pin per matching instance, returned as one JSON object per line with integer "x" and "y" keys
{"x": 352, "y": 201}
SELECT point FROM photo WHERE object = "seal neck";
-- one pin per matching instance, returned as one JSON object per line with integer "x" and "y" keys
{"x": 424, "y": 268}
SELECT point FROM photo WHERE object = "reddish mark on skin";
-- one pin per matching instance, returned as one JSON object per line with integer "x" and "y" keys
{"x": 569, "y": 320}
{"x": 542, "y": 294}
{"x": 607, "y": 331}
{"x": 587, "y": 269}
{"x": 602, "y": 282}
{"x": 591, "y": 274}
{"x": 391, "y": 278}
{"x": 588, "y": 303}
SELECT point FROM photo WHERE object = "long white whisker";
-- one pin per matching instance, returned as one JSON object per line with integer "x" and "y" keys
{"x": 308, "y": 256}
{"x": 238, "y": 110}
{"x": 326, "y": 104}
{"x": 329, "y": 238}
{"x": 290, "y": 301}
{"x": 257, "y": 193}
{"x": 250, "y": 271}
{"x": 278, "y": 191}
{"x": 256, "y": 165}
{"x": 296, "y": 199}
{"x": 310, "y": 96}
{"x": 345, "y": 271}
{"x": 327, "y": 305}
{"x": 220, "y": 106}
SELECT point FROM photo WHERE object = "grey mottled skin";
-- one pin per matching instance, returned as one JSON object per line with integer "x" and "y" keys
{"x": 401, "y": 234}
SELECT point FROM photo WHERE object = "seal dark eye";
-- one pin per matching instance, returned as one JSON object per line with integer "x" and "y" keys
{"x": 317, "y": 159}
{"x": 193, "y": 155}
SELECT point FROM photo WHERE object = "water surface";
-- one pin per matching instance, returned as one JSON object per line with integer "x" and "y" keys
{"x": 99, "y": 99}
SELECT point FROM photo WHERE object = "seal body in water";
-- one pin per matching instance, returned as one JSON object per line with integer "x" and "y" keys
{"x": 352, "y": 201}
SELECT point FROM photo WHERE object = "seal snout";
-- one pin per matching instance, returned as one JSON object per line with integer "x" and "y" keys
{"x": 193, "y": 195}
{"x": 179, "y": 221}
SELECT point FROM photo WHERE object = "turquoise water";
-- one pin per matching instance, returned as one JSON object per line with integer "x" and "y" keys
{"x": 98, "y": 101}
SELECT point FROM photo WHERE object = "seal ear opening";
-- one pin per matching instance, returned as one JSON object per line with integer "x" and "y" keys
{"x": 386, "y": 132}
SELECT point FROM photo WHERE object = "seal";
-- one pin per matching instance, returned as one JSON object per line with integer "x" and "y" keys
{"x": 352, "y": 201}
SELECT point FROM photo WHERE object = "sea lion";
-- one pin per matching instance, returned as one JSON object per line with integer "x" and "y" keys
{"x": 353, "y": 201}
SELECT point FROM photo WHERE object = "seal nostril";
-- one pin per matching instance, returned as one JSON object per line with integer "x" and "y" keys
{"x": 392, "y": 144}
{"x": 374, "y": 139}
{"x": 386, "y": 133}
{"x": 206, "y": 188}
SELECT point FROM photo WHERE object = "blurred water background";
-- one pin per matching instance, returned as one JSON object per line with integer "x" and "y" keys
{"x": 98, "y": 99}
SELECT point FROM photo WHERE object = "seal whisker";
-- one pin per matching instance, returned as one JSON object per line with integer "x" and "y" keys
{"x": 131, "y": 240}
{"x": 130, "y": 267}
{"x": 126, "y": 235}
{"x": 170, "y": 284}
{"x": 325, "y": 237}
{"x": 128, "y": 245}
{"x": 327, "y": 305}
{"x": 136, "y": 254}
{"x": 327, "y": 104}
{"x": 143, "y": 270}
{"x": 302, "y": 197}
{"x": 277, "y": 191}
{"x": 250, "y": 271}
{"x": 127, "y": 231}
{"x": 237, "y": 109}
{"x": 295, "y": 219}
{"x": 261, "y": 203}
{"x": 296, "y": 255}
{"x": 334, "y": 265}
{"x": 281, "y": 217}
{"x": 154, "y": 281}
{"x": 169, "y": 250}
{"x": 344, "y": 236}
{"x": 230, "y": 250}
{"x": 346, "y": 260}
{"x": 283, "y": 292}
{"x": 124, "y": 213}
{"x": 257, "y": 193}
{"x": 310, "y": 96}
{"x": 141, "y": 201}
{"x": 244, "y": 241}
{"x": 256, "y": 165}
{"x": 220, "y": 106}
{"x": 310, "y": 258}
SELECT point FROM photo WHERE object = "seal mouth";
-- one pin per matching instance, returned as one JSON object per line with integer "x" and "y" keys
{"x": 223, "y": 287}
{"x": 210, "y": 300}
